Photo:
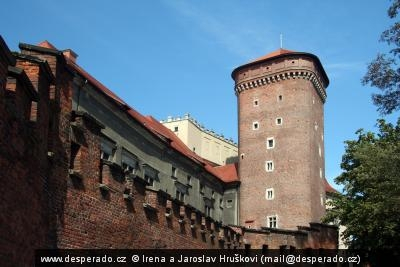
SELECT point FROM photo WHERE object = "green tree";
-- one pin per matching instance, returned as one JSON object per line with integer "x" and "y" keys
{"x": 370, "y": 204}
{"x": 384, "y": 72}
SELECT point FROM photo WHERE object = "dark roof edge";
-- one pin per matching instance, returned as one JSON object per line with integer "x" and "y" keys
{"x": 325, "y": 76}
{"x": 40, "y": 49}
{"x": 6, "y": 52}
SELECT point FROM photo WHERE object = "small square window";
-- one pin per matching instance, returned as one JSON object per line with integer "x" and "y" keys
{"x": 255, "y": 125}
{"x": 278, "y": 121}
{"x": 272, "y": 221}
{"x": 280, "y": 97}
{"x": 270, "y": 143}
{"x": 269, "y": 166}
{"x": 255, "y": 102}
{"x": 176, "y": 128}
{"x": 269, "y": 193}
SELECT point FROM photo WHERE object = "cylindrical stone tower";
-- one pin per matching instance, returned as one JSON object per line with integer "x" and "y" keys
{"x": 281, "y": 140}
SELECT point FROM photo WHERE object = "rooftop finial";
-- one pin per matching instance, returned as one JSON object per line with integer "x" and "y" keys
{"x": 281, "y": 37}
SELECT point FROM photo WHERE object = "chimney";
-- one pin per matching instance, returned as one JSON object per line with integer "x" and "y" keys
{"x": 70, "y": 55}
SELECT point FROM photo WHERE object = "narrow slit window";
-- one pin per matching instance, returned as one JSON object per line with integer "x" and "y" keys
{"x": 269, "y": 194}
{"x": 279, "y": 121}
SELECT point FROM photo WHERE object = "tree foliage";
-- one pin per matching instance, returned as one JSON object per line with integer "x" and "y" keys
{"x": 383, "y": 72}
{"x": 369, "y": 208}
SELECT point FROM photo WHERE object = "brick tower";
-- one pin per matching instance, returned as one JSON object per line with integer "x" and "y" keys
{"x": 281, "y": 143}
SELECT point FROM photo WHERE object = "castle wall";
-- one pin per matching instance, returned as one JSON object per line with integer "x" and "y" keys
{"x": 58, "y": 192}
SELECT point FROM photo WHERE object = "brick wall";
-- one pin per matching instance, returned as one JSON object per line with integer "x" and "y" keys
{"x": 295, "y": 177}
{"x": 24, "y": 208}
{"x": 57, "y": 193}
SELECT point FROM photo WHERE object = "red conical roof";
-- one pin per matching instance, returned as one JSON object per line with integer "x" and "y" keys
{"x": 276, "y": 53}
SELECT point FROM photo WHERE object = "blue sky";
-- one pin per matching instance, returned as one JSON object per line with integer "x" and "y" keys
{"x": 175, "y": 57}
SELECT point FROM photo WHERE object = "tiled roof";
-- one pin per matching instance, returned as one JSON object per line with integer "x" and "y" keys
{"x": 273, "y": 54}
{"x": 153, "y": 125}
{"x": 228, "y": 173}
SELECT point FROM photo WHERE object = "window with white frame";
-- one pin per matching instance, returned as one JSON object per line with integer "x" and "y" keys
{"x": 269, "y": 166}
{"x": 279, "y": 121}
{"x": 272, "y": 221}
{"x": 256, "y": 125}
{"x": 270, "y": 143}
{"x": 255, "y": 102}
{"x": 269, "y": 193}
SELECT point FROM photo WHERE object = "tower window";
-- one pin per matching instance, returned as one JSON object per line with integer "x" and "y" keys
{"x": 278, "y": 121}
{"x": 255, "y": 125}
{"x": 272, "y": 221}
{"x": 242, "y": 156}
{"x": 280, "y": 97}
{"x": 176, "y": 128}
{"x": 255, "y": 102}
{"x": 269, "y": 166}
{"x": 269, "y": 193}
{"x": 270, "y": 143}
